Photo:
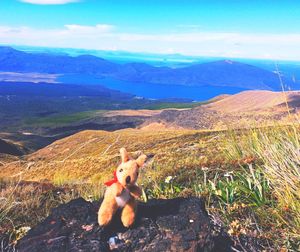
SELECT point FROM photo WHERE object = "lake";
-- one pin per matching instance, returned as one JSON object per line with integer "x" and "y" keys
{"x": 152, "y": 91}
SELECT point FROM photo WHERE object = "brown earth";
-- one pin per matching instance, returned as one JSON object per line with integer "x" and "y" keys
{"x": 131, "y": 112}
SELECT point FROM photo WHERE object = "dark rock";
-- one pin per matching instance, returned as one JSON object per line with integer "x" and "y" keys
{"x": 161, "y": 225}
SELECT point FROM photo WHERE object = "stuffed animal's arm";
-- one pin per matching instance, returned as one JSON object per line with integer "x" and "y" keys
{"x": 116, "y": 189}
{"x": 135, "y": 191}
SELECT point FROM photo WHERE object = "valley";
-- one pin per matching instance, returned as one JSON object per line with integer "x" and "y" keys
{"x": 34, "y": 126}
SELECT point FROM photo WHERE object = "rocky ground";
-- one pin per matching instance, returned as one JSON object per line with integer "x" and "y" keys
{"x": 179, "y": 224}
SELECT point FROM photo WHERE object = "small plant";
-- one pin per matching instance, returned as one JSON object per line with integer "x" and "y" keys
{"x": 249, "y": 186}
{"x": 225, "y": 189}
{"x": 254, "y": 187}
{"x": 164, "y": 189}
{"x": 200, "y": 184}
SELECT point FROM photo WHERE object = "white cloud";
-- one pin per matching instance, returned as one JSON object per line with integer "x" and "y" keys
{"x": 47, "y": 2}
{"x": 89, "y": 29}
{"x": 108, "y": 37}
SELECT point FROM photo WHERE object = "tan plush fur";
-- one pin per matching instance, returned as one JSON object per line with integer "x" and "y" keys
{"x": 127, "y": 174}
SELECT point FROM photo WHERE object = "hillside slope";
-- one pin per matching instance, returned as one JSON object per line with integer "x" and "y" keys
{"x": 256, "y": 100}
{"x": 239, "y": 110}
{"x": 93, "y": 155}
{"x": 11, "y": 148}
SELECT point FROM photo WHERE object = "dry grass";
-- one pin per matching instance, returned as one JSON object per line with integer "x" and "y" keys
{"x": 131, "y": 112}
{"x": 24, "y": 204}
{"x": 277, "y": 150}
{"x": 249, "y": 178}
{"x": 254, "y": 101}
{"x": 91, "y": 156}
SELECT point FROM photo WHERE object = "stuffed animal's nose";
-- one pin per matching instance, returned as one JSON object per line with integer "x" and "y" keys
{"x": 127, "y": 179}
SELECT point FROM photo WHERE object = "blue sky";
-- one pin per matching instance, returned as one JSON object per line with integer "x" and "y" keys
{"x": 252, "y": 29}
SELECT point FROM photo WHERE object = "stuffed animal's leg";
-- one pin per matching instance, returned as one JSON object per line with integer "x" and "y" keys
{"x": 107, "y": 210}
{"x": 109, "y": 205}
{"x": 128, "y": 213}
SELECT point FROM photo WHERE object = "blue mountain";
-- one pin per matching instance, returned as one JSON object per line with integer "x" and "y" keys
{"x": 223, "y": 73}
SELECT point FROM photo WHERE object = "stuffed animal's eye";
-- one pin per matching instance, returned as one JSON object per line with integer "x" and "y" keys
{"x": 120, "y": 170}
{"x": 137, "y": 174}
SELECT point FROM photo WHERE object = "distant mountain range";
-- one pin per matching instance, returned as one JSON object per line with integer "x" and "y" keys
{"x": 218, "y": 73}
{"x": 17, "y": 61}
{"x": 224, "y": 73}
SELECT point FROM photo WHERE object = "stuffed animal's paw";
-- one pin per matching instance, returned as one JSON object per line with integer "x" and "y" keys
{"x": 128, "y": 220}
{"x": 136, "y": 191}
{"x": 104, "y": 219}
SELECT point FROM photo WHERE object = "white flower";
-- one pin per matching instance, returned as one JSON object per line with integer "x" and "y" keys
{"x": 168, "y": 179}
{"x": 24, "y": 229}
{"x": 228, "y": 174}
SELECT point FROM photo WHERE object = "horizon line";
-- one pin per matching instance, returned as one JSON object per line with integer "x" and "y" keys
{"x": 195, "y": 56}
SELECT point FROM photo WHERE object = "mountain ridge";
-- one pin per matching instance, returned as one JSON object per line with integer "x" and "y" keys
{"x": 225, "y": 73}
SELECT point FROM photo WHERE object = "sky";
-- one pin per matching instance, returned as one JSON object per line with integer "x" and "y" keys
{"x": 267, "y": 29}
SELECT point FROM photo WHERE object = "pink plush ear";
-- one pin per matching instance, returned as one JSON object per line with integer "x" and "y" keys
{"x": 124, "y": 155}
{"x": 141, "y": 160}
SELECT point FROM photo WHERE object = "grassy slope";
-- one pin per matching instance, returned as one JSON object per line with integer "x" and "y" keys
{"x": 92, "y": 155}
{"x": 240, "y": 174}
{"x": 255, "y": 100}
{"x": 184, "y": 105}
{"x": 64, "y": 119}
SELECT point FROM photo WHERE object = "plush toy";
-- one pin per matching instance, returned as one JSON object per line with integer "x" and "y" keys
{"x": 122, "y": 191}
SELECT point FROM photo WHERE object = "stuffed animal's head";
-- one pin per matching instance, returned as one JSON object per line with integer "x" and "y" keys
{"x": 128, "y": 171}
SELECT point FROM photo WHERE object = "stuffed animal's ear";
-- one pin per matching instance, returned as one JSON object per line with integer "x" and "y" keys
{"x": 141, "y": 160}
{"x": 124, "y": 155}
